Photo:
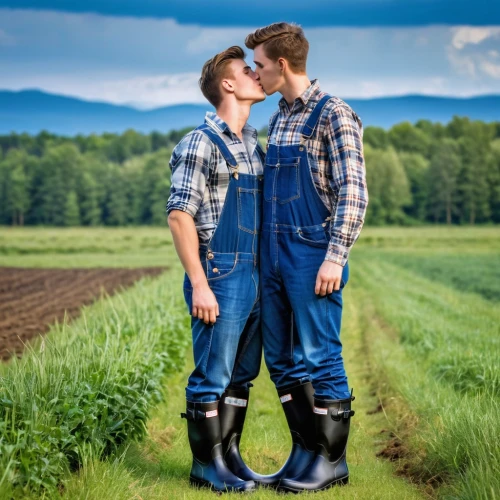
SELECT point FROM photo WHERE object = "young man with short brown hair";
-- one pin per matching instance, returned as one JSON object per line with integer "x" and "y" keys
{"x": 315, "y": 199}
{"x": 215, "y": 217}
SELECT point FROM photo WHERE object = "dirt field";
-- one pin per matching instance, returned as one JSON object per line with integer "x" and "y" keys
{"x": 32, "y": 299}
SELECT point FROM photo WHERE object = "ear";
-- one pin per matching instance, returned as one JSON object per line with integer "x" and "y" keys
{"x": 283, "y": 64}
{"x": 227, "y": 85}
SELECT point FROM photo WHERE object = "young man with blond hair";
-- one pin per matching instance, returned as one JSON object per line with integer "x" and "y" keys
{"x": 315, "y": 199}
{"x": 215, "y": 217}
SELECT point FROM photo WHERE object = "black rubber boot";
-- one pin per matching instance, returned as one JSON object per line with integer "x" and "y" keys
{"x": 209, "y": 469}
{"x": 298, "y": 404}
{"x": 232, "y": 411}
{"x": 329, "y": 466}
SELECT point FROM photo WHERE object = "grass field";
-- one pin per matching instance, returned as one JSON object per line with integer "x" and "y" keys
{"x": 421, "y": 343}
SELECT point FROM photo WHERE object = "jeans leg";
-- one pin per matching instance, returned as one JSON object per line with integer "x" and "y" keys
{"x": 215, "y": 345}
{"x": 318, "y": 322}
{"x": 283, "y": 359}
{"x": 249, "y": 355}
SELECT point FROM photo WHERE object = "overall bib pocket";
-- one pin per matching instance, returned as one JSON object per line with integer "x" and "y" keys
{"x": 282, "y": 182}
{"x": 249, "y": 210}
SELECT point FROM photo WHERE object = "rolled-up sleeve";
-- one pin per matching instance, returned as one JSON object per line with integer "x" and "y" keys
{"x": 343, "y": 137}
{"x": 190, "y": 169}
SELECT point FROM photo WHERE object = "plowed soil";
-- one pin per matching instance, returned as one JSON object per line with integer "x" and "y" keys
{"x": 32, "y": 299}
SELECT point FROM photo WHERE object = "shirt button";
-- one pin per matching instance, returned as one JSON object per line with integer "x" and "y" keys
{"x": 216, "y": 270}
{"x": 210, "y": 256}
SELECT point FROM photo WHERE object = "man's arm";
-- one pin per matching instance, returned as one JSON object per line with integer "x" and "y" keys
{"x": 190, "y": 169}
{"x": 343, "y": 137}
{"x": 186, "y": 243}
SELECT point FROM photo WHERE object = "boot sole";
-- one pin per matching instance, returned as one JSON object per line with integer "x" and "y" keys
{"x": 337, "y": 482}
{"x": 201, "y": 483}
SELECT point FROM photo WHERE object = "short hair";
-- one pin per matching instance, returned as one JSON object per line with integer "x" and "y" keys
{"x": 285, "y": 40}
{"x": 214, "y": 70}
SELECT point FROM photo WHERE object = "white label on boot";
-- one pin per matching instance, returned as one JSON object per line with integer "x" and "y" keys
{"x": 212, "y": 413}
{"x": 235, "y": 401}
{"x": 286, "y": 398}
{"x": 320, "y": 411}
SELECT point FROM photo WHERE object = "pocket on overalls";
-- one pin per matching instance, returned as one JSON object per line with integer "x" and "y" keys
{"x": 315, "y": 236}
{"x": 220, "y": 265}
{"x": 249, "y": 210}
{"x": 283, "y": 184}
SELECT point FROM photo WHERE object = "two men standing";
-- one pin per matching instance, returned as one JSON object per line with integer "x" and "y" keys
{"x": 265, "y": 244}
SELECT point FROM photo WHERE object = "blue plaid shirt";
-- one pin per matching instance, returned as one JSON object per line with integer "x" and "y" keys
{"x": 200, "y": 175}
{"x": 335, "y": 154}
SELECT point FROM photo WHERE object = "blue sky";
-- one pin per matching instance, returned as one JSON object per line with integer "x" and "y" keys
{"x": 150, "y": 53}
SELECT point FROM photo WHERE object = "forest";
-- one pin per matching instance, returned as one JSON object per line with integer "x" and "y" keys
{"x": 422, "y": 173}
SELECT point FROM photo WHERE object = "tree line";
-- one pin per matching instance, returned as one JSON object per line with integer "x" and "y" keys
{"x": 416, "y": 173}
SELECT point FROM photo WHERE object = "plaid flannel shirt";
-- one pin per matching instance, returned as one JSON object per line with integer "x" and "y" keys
{"x": 335, "y": 153}
{"x": 200, "y": 175}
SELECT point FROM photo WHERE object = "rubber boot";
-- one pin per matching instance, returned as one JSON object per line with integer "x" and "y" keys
{"x": 232, "y": 411}
{"x": 329, "y": 466}
{"x": 209, "y": 469}
{"x": 297, "y": 404}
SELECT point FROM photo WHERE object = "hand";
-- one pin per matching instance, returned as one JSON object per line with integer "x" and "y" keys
{"x": 205, "y": 306}
{"x": 329, "y": 278}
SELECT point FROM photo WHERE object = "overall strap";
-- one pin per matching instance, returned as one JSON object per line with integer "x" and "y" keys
{"x": 219, "y": 142}
{"x": 312, "y": 122}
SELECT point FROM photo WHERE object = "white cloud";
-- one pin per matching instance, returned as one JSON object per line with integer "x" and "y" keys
{"x": 491, "y": 69}
{"x": 216, "y": 40}
{"x": 471, "y": 54}
{"x": 465, "y": 35}
{"x": 156, "y": 62}
{"x": 144, "y": 92}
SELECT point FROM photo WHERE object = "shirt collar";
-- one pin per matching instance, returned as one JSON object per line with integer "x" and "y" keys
{"x": 309, "y": 95}
{"x": 219, "y": 125}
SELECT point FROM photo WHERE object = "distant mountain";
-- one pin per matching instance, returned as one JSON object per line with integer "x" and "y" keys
{"x": 32, "y": 111}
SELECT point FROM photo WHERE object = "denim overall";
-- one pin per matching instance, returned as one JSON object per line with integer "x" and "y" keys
{"x": 295, "y": 237}
{"x": 228, "y": 352}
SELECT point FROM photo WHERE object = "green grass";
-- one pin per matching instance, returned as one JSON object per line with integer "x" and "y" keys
{"x": 421, "y": 343}
{"x": 471, "y": 272}
{"x": 159, "y": 467}
{"x": 86, "y": 247}
{"x": 87, "y": 388}
{"x": 438, "y": 345}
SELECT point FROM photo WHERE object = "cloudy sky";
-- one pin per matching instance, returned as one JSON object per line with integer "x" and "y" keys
{"x": 149, "y": 53}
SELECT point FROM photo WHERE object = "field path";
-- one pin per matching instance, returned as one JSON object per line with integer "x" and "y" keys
{"x": 161, "y": 464}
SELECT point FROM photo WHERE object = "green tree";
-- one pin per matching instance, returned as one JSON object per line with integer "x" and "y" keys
{"x": 442, "y": 178}
{"x": 473, "y": 178}
{"x": 88, "y": 200}
{"x": 416, "y": 168}
{"x": 388, "y": 186}
{"x": 117, "y": 204}
{"x": 14, "y": 187}
{"x": 405, "y": 137}
{"x": 376, "y": 137}
{"x": 60, "y": 165}
{"x": 494, "y": 180}
{"x": 72, "y": 211}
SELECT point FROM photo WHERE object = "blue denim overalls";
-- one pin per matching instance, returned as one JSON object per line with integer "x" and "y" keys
{"x": 228, "y": 352}
{"x": 295, "y": 237}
